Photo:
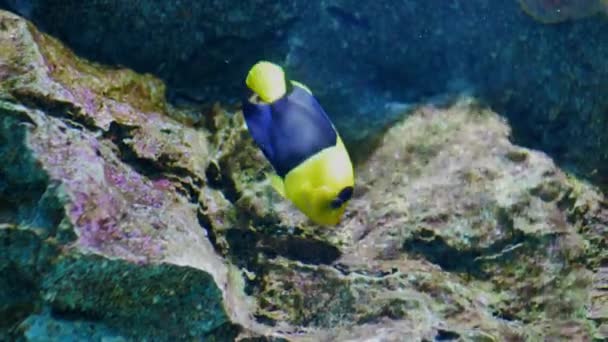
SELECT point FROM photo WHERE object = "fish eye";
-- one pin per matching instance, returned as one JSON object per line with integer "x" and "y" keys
{"x": 346, "y": 194}
{"x": 343, "y": 197}
{"x": 336, "y": 203}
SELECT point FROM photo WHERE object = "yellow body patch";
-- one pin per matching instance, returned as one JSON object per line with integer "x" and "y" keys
{"x": 267, "y": 80}
{"x": 313, "y": 184}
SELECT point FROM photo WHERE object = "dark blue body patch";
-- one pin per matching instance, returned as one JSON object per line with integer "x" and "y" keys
{"x": 290, "y": 130}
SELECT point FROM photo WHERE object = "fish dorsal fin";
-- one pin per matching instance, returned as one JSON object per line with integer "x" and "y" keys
{"x": 298, "y": 84}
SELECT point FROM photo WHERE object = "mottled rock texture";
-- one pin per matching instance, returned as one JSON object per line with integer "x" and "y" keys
{"x": 98, "y": 205}
{"x": 453, "y": 232}
{"x": 364, "y": 60}
{"x": 124, "y": 218}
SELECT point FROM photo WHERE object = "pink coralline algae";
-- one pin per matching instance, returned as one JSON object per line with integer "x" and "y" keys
{"x": 87, "y": 98}
{"x": 162, "y": 184}
{"x": 114, "y": 177}
{"x": 98, "y": 212}
{"x": 118, "y": 212}
{"x": 113, "y": 208}
{"x": 135, "y": 187}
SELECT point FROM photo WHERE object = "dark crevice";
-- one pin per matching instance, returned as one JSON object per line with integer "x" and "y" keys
{"x": 188, "y": 191}
{"x": 225, "y": 332}
{"x": 152, "y": 169}
{"x": 246, "y": 244}
{"x": 67, "y": 112}
{"x": 205, "y": 223}
{"x": 265, "y": 320}
{"x": 8, "y": 210}
{"x": 27, "y": 195}
{"x": 435, "y": 249}
{"x": 163, "y": 164}
{"x": 49, "y": 212}
{"x": 308, "y": 251}
{"x": 505, "y": 315}
{"x": 446, "y": 335}
{"x": 72, "y": 116}
{"x": 20, "y": 297}
{"x": 244, "y": 255}
{"x": 243, "y": 248}
{"x": 218, "y": 178}
{"x": 342, "y": 268}
{"x": 248, "y": 249}
{"x": 214, "y": 176}
{"x": 71, "y": 314}
{"x": 26, "y": 258}
{"x": 146, "y": 167}
{"x": 566, "y": 203}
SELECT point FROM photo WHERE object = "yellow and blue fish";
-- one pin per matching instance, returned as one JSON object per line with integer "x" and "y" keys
{"x": 313, "y": 168}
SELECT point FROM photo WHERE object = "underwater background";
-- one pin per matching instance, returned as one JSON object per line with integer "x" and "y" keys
{"x": 134, "y": 204}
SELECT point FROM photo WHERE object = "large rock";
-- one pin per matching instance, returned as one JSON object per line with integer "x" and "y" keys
{"x": 453, "y": 232}
{"x": 366, "y": 59}
{"x": 98, "y": 202}
{"x": 122, "y": 218}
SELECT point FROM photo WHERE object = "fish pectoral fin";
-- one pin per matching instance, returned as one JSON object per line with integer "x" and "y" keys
{"x": 277, "y": 183}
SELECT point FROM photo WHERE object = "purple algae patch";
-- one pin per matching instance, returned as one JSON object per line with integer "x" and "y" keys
{"x": 113, "y": 208}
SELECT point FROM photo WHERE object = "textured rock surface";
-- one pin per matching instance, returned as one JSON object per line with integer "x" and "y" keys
{"x": 359, "y": 57}
{"x": 121, "y": 218}
{"x": 98, "y": 219}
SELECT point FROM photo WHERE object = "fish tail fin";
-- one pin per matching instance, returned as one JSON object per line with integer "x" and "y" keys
{"x": 277, "y": 183}
{"x": 267, "y": 80}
